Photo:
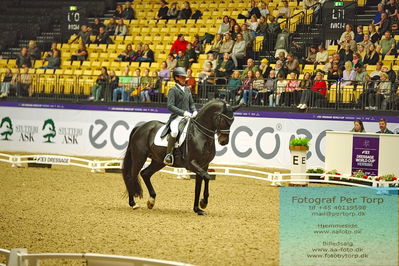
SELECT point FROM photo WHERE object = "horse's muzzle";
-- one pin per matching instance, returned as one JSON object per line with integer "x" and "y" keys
{"x": 223, "y": 139}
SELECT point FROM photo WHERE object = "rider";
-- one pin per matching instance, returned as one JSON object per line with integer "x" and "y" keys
{"x": 181, "y": 104}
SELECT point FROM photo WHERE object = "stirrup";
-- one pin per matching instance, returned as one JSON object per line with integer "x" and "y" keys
{"x": 169, "y": 159}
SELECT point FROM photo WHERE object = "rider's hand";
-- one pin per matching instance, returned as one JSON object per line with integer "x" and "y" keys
{"x": 188, "y": 114}
{"x": 194, "y": 114}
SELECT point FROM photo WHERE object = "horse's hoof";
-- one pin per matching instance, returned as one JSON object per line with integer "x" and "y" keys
{"x": 135, "y": 206}
{"x": 201, "y": 213}
{"x": 203, "y": 204}
{"x": 150, "y": 203}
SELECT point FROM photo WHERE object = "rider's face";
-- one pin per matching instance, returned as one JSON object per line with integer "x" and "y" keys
{"x": 181, "y": 80}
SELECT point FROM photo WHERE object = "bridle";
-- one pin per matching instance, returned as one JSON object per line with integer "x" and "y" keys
{"x": 211, "y": 133}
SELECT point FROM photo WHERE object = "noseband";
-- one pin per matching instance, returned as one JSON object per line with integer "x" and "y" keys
{"x": 211, "y": 133}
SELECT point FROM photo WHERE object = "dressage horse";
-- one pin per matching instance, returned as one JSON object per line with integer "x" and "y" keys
{"x": 195, "y": 153}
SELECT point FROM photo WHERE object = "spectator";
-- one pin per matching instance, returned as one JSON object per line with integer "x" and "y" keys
{"x": 274, "y": 98}
{"x": 232, "y": 23}
{"x": 383, "y": 127}
{"x": 23, "y": 59}
{"x": 233, "y": 85}
{"x": 164, "y": 74}
{"x": 155, "y": 87}
{"x": 391, "y": 74}
{"x": 84, "y": 35}
{"x": 224, "y": 26}
{"x": 227, "y": 45}
{"x": 173, "y": 11}
{"x": 264, "y": 67}
{"x": 350, "y": 41}
{"x": 246, "y": 87}
{"x": 253, "y": 10}
{"x": 372, "y": 57}
{"x": 291, "y": 90}
{"x": 238, "y": 51}
{"x": 26, "y": 88}
{"x": 348, "y": 75}
{"x": 180, "y": 44}
{"x": 127, "y": 54}
{"x": 52, "y": 50}
{"x": 134, "y": 88}
{"x": 236, "y": 31}
{"x": 190, "y": 54}
{"x": 385, "y": 24}
{"x": 148, "y": 54}
{"x": 387, "y": 44}
{"x": 185, "y": 12}
{"x": 357, "y": 59}
{"x": 182, "y": 60}
{"x": 270, "y": 84}
{"x": 145, "y": 86}
{"x": 128, "y": 12}
{"x": 54, "y": 61}
{"x": 358, "y": 126}
{"x": 118, "y": 12}
{"x": 103, "y": 37}
{"x": 360, "y": 75}
{"x": 359, "y": 36}
{"x": 191, "y": 82}
{"x": 316, "y": 93}
{"x": 257, "y": 85}
{"x": 206, "y": 81}
{"x": 377, "y": 17}
{"x": 5, "y": 85}
{"x": 248, "y": 37}
{"x": 380, "y": 99}
{"x": 171, "y": 62}
{"x": 345, "y": 54}
{"x": 391, "y": 8}
{"x": 113, "y": 84}
{"x": 217, "y": 44}
{"x": 281, "y": 57}
{"x": 100, "y": 86}
{"x": 374, "y": 36}
{"x": 111, "y": 26}
{"x": 211, "y": 59}
{"x": 334, "y": 74}
{"x": 253, "y": 25}
{"x": 305, "y": 84}
{"x": 163, "y": 10}
{"x": 279, "y": 69}
{"x": 123, "y": 86}
{"x": 284, "y": 12}
{"x": 292, "y": 64}
{"x": 312, "y": 53}
{"x": 121, "y": 29}
{"x": 263, "y": 27}
{"x": 224, "y": 69}
{"x": 138, "y": 52}
{"x": 366, "y": 42}
{"x": 376, "y": 74}
{"x": 361, "y": 52}
{"x": 81, "y": 54}
{"x": 95, "y": 28}
{"x": 282, "y": 42}
{"x": 15, "y": 86}
{"x": 197, "y": 45}
{"x": 348, "y": 30}
{"x": 250, "y": 67}
{"x": 264, "y": 11}
{"x": 34, "y": 51}
{"x": 321, "y": 56}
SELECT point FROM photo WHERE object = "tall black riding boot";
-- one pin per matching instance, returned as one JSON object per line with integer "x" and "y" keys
{"x": 169, "y": 160}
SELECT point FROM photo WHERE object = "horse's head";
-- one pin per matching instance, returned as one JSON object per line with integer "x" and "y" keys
{"x": 223, "y": 121}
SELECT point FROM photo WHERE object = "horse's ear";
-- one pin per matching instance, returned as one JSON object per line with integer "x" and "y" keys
{"x": 236, "y": 107}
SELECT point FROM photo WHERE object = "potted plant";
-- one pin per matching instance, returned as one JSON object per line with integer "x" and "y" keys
{"x": 318, "y": 170}
{"x": 299, "y": 144}
{"x": 360, "y": 174}
{"x": 298, "y": 148}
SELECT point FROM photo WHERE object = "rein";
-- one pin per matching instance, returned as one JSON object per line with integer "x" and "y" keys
{"x": 203, "y": 129}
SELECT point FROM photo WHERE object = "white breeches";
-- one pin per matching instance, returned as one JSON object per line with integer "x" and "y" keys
{"x": 174, "y": 126}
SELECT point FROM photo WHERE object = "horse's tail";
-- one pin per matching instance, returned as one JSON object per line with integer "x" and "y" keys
{"x": 132, "y": 181}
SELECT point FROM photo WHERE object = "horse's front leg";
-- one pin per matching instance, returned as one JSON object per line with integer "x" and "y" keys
{"x": 204, "y": 200}
{"x": 198, "y": 184}
{"x": 201, "y": 174}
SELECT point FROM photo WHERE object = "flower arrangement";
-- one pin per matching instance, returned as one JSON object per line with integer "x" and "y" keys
{"x": 333, "y": 172}
{"x": 360, "y": 174}
{"x": 388, "y": 177}
{"x": 300, "y": 142}
{"x": 318, "y": 170}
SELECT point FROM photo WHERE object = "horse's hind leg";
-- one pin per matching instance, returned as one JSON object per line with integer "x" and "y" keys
{"x": 146, "y": 175}
{"x": 138, "y": 162}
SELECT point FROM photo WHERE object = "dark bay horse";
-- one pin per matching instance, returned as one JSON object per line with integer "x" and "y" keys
{"x": 195, "y": 154}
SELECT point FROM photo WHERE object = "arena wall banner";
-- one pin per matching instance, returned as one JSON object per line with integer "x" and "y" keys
{"x": 257, "y": 138}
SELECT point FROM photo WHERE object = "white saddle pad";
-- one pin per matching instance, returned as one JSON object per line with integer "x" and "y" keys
{"x": 163, "y": 142}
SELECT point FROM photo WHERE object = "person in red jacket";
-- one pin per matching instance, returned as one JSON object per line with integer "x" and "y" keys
{"x": 179, "y": 45}
{"x": 318, "y": 91}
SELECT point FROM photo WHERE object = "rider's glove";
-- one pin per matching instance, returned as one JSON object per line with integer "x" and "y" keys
{"x": 187, "y": 114}
{"x": 194, "y": 114}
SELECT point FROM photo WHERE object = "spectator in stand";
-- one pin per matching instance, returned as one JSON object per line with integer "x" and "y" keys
{"x": 292, "y": 64}
{"x": 134, "y": 87}
{"x": 173, "y": 11}
{"x": 123, "y": 86}
{"x": 377, "y": 17}
{"x": 357, "y": 59}
{"x": 224, "y": 26}
{"x": 257, "y": 85}
{"x": 206, "y": 81}
{"x": 345, "y": 54}
{"x": 232, "y": 23}
{"x": 185, "y": 12}
{"x": 128, "y": 12}
{"x": 95, "y": 27}
{"x": 359, "y": 36}
{"x": 383, "y": 127}
{"x": 171, "y": 62}
{"x": 113, "y": 84}
{"x": 334, "y": 75}
{"x": 321, "y": 56}
{"x": 348, "y": 30}
{"x": 248, "y": 37}
{"x": 138, "y": 52}
{"x": 191, "y": 82}
{"x": 366, "y": 42}
{"x": 291, "y": 90}
{"x": 305, "y": 84}
{"x": 281, "y": 57}
{"x": 54, "y": 61}
{"x": 284, "y": 12}
{"x": 250, "y": 67}
{"x": 111, "y": 26}
{"x": 264, "y": 11}
{"x": 239, "y": 49}
{"x": 52, "y": 50}
{"x": 253, "y": 25}
{"x": 84, "y": 34}
{"x": 279, "y": 68}
{"x": 316, "y": 93}
{"x": 33, "y": 51}
{"x": 391, "y": 8}
{"x": 180, "y": 44}
{"x": 348, "y": 75}
{"x": 118, "y": 11}
{"x": 227, "y": 45}
{"x": 264, "y": 67}
{"x": 262, "y": 29}
{"x": 190, "y": 54}
{"x": 121, "y": 29}
{"x": 358, "y": 126}
{"x": 211, "y": 59}
{"x": 361, "y": 75}
{"x": 148, "y": 54}
{"x": 26, "y": 88}
{"x": 385, "y": 24}
{"x": 236, "y": 31}
{"x": 374, "y": 36}
{"x": 5, "y": 85}
{"x": 145, "y": 86}
{"x": 350, "y": 41}
{"x": 81, "y": 54}
{"x": 383, "y": 93}
{"x": 253, "y": 10}
{"x": 391, "y": 74}
{"x": 275, "y": 97}
{"x": 376, "y": 74}
{"x": 182, "y": 60}
{"x": 197, "y": 45}
{"x": 387, "y": 44}
{"x": 103, "y": 37}
{"x": 23, "y": 59}
{"x": 216, "y": 45}
{"x": 328, "y": 64}
{"x": 312, "y": 53}
{"x": 163, "y": 10}
{"x": 361, "y": 51}
{"x": 372, "y": 56}
{"x": 224, "y": 69}
{"x": 270, "y": 84}
{"x": 127, "y": 54}
{"x": 101, "y": 84}
{"x": 246, "y": 87}
{"x": 233, "y": 85}
{"x": 164, "y": 74}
